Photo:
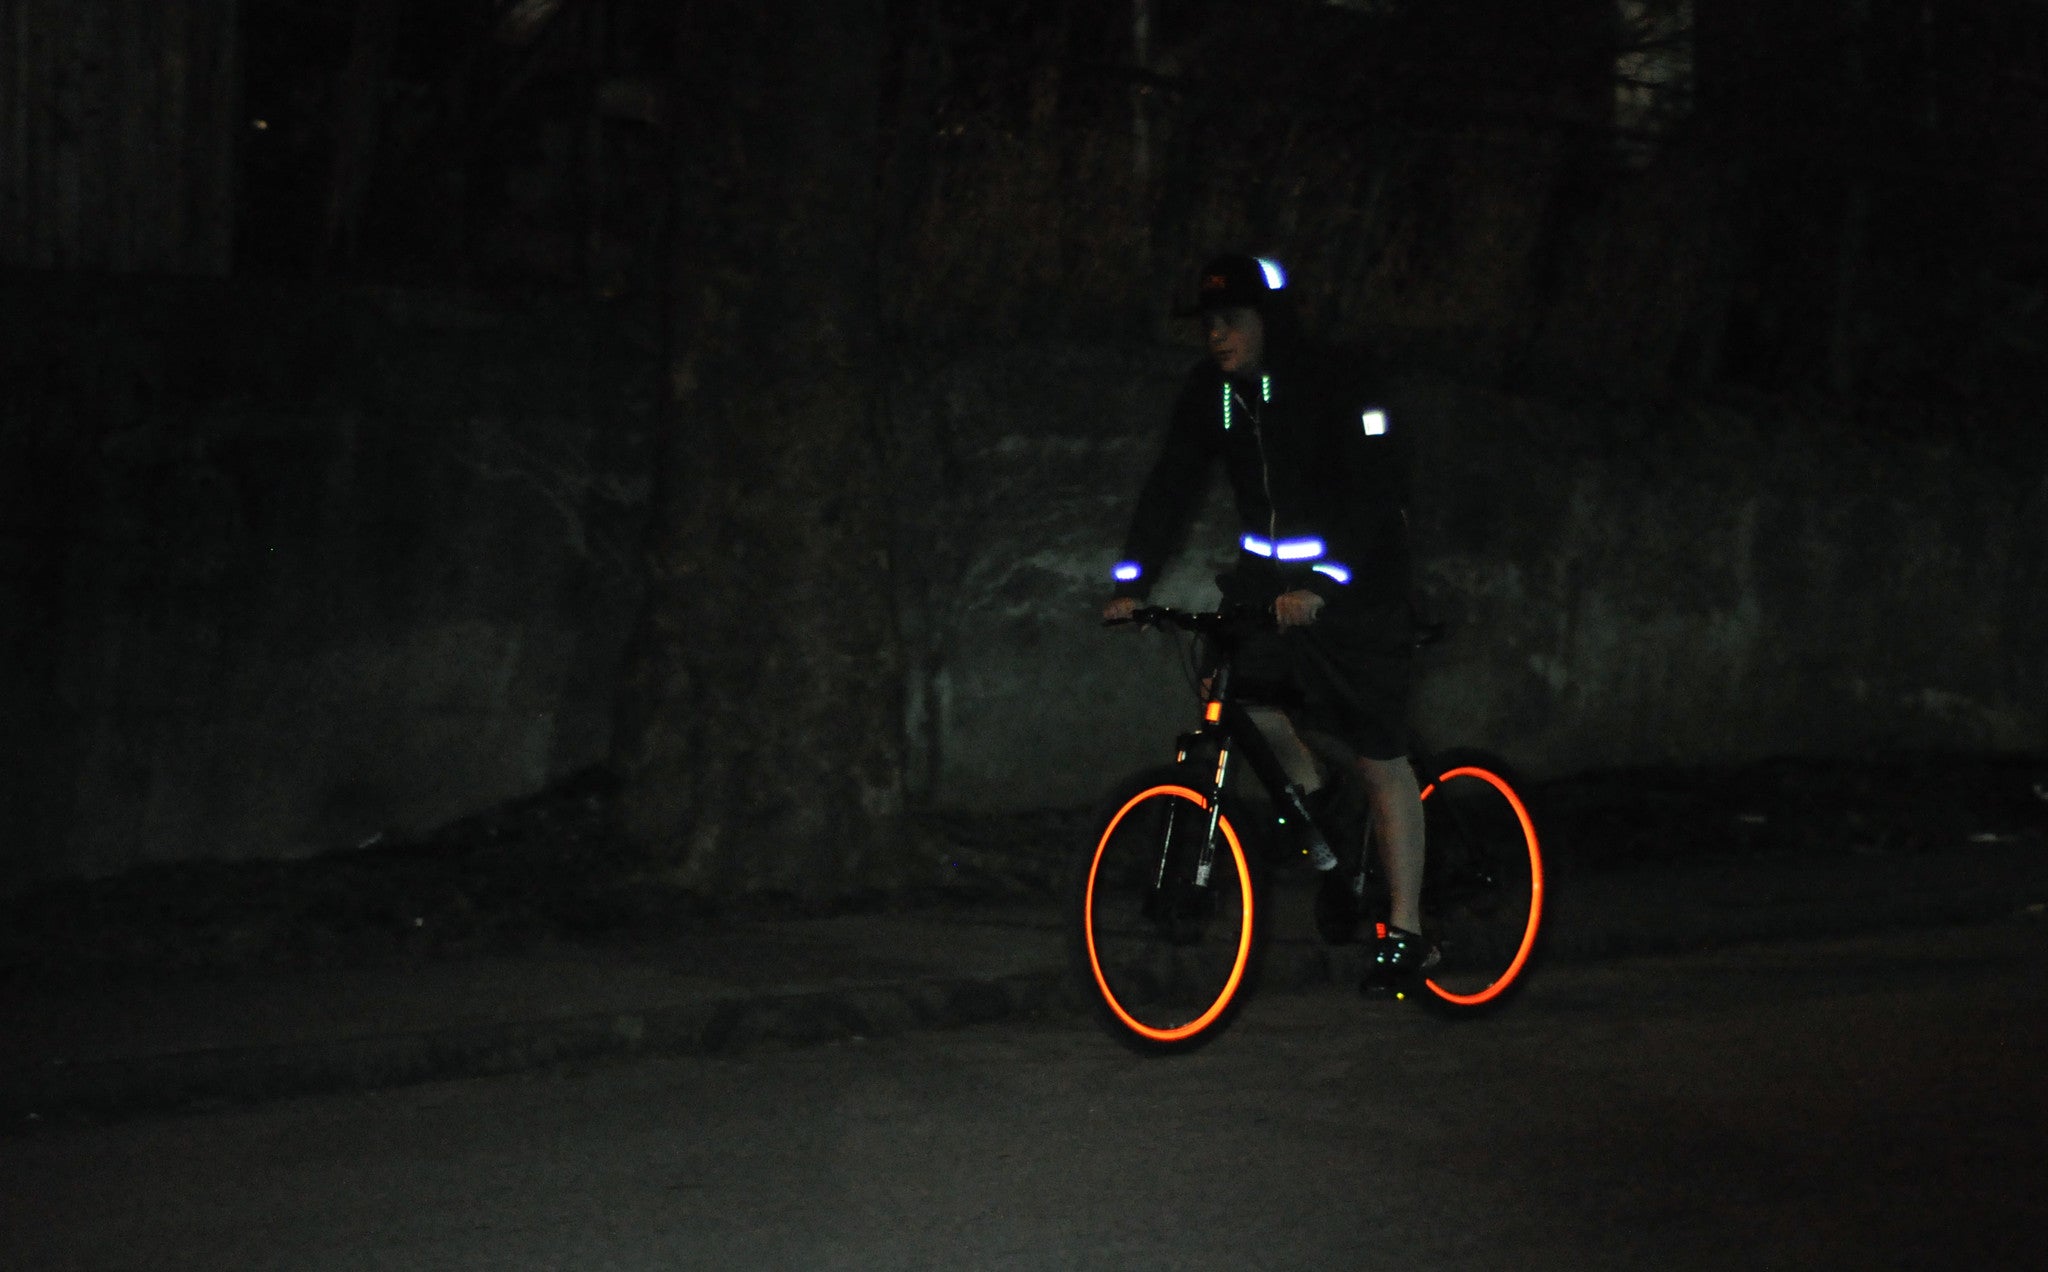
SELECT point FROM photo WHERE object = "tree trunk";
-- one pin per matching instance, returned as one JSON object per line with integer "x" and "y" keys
{"x": 358, "y": 107}
{"x": 118, "y": 126}
{"x": 1855, "y": 104}
{"x": 760, "y": 745}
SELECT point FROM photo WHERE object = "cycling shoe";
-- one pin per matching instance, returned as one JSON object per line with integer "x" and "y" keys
{"x": 1399, "y": 959}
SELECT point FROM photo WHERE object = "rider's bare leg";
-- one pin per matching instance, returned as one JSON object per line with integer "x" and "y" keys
{"x": 1397, "y": 825}
{"x": 1294, "y": 756}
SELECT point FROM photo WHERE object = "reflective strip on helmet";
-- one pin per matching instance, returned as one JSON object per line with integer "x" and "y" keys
{"x": 1375, "y": 422}
{"x": 1126, "y": 571}
{"x": 1303, "y": 549}
{"x": 1332, "y": 569}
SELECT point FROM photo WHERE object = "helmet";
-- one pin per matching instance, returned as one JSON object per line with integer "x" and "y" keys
{"x": 1232, "y": 282}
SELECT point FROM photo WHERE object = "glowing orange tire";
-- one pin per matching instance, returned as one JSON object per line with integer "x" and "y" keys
{"x": 1162, "y": 983}
{"x": 1488, "y": 934}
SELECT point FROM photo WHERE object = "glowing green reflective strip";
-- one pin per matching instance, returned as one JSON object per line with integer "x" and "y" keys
{"x": 1265, "y": 395}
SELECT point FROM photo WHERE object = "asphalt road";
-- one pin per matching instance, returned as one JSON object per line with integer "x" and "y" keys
{"x": 1848, "y": 1104}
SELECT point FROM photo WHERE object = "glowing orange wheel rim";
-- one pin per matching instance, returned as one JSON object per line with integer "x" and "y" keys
{"x": 1183, "y": 1032}
{"x": 1500, "y": 984}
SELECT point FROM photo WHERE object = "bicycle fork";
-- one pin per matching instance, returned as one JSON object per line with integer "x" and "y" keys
{"x": 1212, "y": 716}
{"x": 1205, "y": 857}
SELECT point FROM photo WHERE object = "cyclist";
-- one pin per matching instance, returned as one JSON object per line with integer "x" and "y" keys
{"x": 1319, "y": 472}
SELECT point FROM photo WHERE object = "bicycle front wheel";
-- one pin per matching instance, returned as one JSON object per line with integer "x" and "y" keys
{"x": 1166, "y": 939}
{"x": 1482, "y": 894}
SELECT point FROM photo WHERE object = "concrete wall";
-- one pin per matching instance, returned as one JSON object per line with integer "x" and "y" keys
{"x": 1624, "y": 586}
{"x": 1687, "y": 584}
{"x": 279, "y": 574}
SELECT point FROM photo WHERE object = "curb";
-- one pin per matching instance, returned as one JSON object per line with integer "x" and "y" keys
{"x": 230, "y": 1076}
{"x": 225, "y": 1076}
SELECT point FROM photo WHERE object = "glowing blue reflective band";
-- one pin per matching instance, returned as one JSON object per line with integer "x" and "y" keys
{"x": 1332, "y": 569}
{"x": 1375, "y": 422}
{"x": 1276, "y": 278}
{"x": 1126, "y": 571}
{"x": 1285, "y": 549}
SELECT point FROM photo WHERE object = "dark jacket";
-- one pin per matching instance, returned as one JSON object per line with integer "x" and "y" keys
{"x": 1319, "y": 469}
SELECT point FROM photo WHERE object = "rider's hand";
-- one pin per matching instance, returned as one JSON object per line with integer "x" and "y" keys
{"x": 1297, "y": 608}
{"x": 1120, "y": 609}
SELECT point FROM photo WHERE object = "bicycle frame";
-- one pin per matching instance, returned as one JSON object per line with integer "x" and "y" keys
{"x": 1231, "y": 726}
{"x": 1227, "y": 723}
{"x": 1225, "y": 719}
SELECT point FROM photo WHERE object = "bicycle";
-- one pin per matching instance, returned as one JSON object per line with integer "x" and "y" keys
{"x": 1170, "y": 908}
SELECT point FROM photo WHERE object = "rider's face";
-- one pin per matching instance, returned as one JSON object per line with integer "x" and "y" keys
{"x": 1237, "y": 339}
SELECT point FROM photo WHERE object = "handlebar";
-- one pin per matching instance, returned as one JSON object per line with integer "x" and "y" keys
{"x": 1239, "y": 617}
{"x": 1234, "y": 615}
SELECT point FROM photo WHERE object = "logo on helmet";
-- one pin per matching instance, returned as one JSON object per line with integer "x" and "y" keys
{"x": 1249, "y": 281}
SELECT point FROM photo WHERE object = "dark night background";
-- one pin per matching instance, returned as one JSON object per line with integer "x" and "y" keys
{"x": 551, "y": 443}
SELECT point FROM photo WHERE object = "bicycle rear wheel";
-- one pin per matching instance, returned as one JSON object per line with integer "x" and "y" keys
{"x": 1165, "y": 954}
{"x": 1482, "y": 894}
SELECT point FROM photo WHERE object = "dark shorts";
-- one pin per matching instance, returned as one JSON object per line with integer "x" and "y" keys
{"x": 1347, "y": 682}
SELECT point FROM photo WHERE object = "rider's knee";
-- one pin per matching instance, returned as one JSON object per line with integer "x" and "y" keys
{"x": 1394, "y": 774}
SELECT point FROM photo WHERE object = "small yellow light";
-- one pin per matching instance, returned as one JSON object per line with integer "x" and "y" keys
{"x": 260, "y": 125}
